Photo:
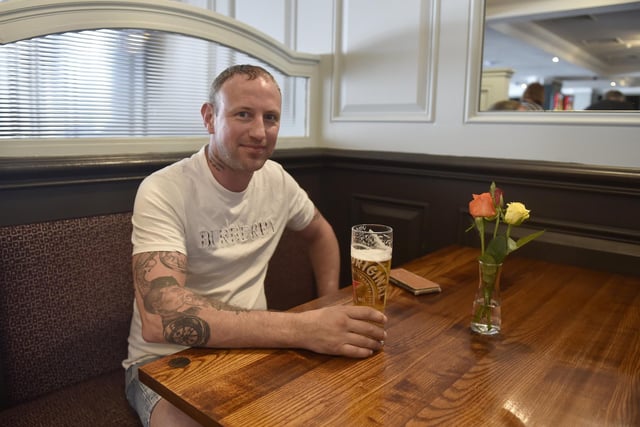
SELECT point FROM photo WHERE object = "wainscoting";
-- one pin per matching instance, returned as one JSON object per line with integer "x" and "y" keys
{"x": 590, "y": 214}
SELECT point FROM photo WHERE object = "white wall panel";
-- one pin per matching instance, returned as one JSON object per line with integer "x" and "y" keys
{"x": 314, "y": 26}
{"x": 383, "y": 63}
{"x": 450, "y": 133}
{"x": 270, "y": 17}
{"x": 378, "y": 70}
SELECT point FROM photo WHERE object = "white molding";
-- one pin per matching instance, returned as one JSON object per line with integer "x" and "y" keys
{"x": 32, "y": 18}
{"x": 31, "y": 147}
{"x": 498, "y": 10}
{"x": 291, "y": 27}
{"x": 26, "y": 19}
{"x": 24, "y": 148}
{"x": 419, "y": 111}
{"x": 473, "y": 88}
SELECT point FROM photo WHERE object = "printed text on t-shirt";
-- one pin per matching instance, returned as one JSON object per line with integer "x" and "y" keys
{"x": 236, "y": 234}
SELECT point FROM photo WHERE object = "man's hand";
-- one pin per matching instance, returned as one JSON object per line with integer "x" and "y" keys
{"x": 352, "y": 331}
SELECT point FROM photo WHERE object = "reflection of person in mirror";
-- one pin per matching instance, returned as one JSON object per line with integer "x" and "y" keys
{"x": 508, "y": 105}
{"x": 612, "y": 100}
{"x": 533, "y": 97}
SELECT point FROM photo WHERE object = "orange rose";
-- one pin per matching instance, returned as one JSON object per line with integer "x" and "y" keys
{"x": 482, "y": 206}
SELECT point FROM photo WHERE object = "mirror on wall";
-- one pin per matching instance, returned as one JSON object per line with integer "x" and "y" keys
{"x": 572, "y": 57}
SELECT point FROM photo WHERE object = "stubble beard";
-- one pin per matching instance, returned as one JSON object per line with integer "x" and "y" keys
{"x": 222, "y": 160}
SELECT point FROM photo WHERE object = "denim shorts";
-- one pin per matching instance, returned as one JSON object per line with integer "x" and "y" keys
{"x": 140, "y": 397}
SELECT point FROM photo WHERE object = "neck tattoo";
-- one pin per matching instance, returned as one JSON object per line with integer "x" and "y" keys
{"x": 214, "y": 162}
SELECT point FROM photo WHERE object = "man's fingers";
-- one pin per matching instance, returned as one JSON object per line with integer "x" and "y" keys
{"x": 354, "y": 351}
{"x": 366, "y": 313}
{"x": 368, "y": 329}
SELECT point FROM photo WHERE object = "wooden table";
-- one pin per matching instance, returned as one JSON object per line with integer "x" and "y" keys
{"x": 568, "y": 355}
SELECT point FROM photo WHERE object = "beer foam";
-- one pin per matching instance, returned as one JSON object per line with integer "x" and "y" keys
{"x": 375, "y": 255}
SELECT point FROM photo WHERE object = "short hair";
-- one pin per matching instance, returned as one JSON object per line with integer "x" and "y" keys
{"x": 614, "y": 95}
{"x": 252, "y": 72}
{"x": 535, "y": 93}
{"x": 506, "y": 105}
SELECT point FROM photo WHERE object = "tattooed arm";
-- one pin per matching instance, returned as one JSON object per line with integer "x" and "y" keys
{"x": 171, "y": 313}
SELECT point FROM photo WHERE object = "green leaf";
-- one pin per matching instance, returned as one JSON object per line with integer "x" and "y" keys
{"x": 497, "y": 249}
{"x": 487, "y": 258}
{"x": 526, "y": 239}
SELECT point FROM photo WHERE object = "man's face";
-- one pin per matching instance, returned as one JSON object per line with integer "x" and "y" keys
{"x": 245, "y": 127}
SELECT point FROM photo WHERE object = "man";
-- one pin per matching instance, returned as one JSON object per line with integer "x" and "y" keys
{"x": 613, "y": 100}
{"x": 204, "y": 230}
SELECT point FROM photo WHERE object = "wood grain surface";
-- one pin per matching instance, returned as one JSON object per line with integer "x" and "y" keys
{"x": 568, "y": 355}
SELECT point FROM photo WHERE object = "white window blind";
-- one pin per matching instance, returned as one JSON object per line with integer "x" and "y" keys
{"x": 121, "y": 83}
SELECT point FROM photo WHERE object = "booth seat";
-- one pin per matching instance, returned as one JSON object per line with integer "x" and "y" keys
{"x": 65, "y": 309}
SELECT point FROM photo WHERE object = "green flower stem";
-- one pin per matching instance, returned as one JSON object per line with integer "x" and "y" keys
{"x": 479, "y": 221}
{"x": 495, "y": 228}
{"x": 488, "y": 279}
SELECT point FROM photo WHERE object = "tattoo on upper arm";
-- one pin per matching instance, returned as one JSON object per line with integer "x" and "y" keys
{"x": 174, "y": 261}
{"x": 144, "y": 263}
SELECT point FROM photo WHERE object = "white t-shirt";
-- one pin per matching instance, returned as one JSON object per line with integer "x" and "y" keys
{"x": 228, "y": 237}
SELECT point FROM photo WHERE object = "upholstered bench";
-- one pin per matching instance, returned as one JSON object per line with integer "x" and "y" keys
{"x": 65, "y": 309}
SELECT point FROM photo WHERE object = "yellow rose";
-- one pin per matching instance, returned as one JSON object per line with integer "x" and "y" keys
{"x": 516, "y": 213}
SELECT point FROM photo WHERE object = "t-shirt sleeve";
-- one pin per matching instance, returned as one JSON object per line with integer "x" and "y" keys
{"x": 157, "y": 220}
{"x": 301, "y": 208}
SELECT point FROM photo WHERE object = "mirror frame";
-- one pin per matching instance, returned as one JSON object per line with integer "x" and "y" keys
{"x": 472, "y": 114}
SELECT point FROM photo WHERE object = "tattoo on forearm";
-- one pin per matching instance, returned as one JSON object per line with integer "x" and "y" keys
{"x": 187, "y": 330}
{"x": 180, "y": 309}
{"x": 221, "y": 306}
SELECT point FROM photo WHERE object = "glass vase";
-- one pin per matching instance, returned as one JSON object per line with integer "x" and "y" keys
{"x": 486, "y": 317}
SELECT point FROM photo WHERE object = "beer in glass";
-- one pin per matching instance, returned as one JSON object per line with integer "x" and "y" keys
{"x": 371, "y": 247}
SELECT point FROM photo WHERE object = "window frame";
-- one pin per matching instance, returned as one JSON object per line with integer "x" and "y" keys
{"x": 25, "y": 19}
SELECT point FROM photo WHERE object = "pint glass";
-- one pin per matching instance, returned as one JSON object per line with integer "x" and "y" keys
{"x": 371, "y": 246}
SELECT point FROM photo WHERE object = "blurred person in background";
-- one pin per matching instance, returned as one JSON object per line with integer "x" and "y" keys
{"x": 533, "y": 97}
{"x": 612, "y": 100}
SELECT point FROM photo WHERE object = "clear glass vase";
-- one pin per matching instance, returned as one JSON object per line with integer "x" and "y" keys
{"x": 486, "y": 317}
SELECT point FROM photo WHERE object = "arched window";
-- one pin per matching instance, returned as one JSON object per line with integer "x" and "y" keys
{"x": 120, "y": 83}
{"x": 127, "y": 77}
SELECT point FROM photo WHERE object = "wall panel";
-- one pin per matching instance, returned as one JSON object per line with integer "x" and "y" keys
{"x": 409, "y": 220}
{"x": 383, "y": 62}
{"x": 590, "y": 214}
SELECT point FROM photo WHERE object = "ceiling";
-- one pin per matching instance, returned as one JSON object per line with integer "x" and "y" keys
{"x": 594, "y": 45}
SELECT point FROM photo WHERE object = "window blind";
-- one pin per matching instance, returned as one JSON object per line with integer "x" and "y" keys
{"x": 121, "y": 83}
